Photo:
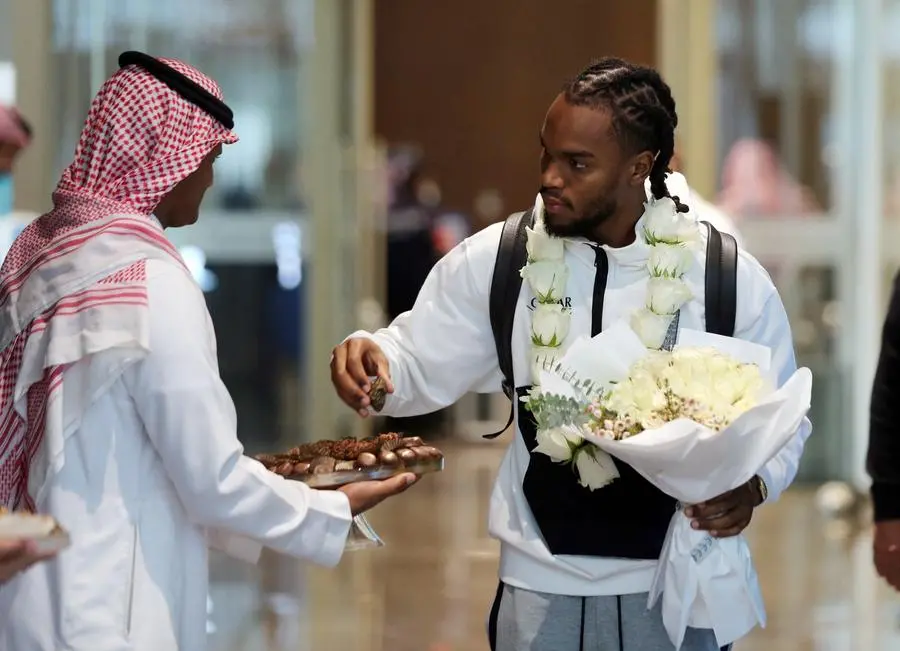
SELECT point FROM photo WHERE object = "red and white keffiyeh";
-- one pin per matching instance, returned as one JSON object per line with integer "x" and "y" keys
{"x": 74, "y": 284}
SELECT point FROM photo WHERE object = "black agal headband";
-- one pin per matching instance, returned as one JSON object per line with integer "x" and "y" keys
{"x": 187, "y": 88}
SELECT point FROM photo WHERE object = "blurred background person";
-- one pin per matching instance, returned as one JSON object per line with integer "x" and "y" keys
{"x": 410, "y": 249}
{"x": 15, "y": 136}
{"x": 419, "y": 232}
{"x": 756, "y": 185}
{"x": 704, "y": 210}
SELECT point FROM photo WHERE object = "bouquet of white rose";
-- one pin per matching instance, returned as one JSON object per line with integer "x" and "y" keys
{"x": 696, "y": 422}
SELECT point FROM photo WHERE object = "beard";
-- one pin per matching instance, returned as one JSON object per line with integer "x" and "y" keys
{"x": 586, "y": 224}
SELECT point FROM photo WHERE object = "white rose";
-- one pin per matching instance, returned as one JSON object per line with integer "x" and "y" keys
{"x": 748, "y": 386}
{"x": 541, "y": 246}
{"x": 558, "y": 443}
{"x": 651, "y": 328}
{"x": 639, "y": 396}
{"x": 720, "y": 383}
{"x": 549, "y": 324}
{"x": 690, "y": 355}
{"x": 736, "y": 389}
{"x": 670, "y": 260}
{"x": 662, "y": 223}
{"x": 543, "y": 358}
{"x": 667, "y": 295}
{"x": 595, "y": 467}
{"x": 654, "y": 362}
{"x": 706, "y": 366}
{"x": 694, "y": 374}
{"x": 547, "y": 279}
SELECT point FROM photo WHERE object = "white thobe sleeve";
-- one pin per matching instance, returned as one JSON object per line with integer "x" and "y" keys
{"x": 444, "y": 347}
{"x": 772, "y": 329}
{"x": 191, "y": 421}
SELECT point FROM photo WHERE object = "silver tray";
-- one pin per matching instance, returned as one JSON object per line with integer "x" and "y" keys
{"x": 344, "y": 477}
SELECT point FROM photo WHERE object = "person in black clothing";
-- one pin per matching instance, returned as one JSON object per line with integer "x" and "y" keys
{"x": 411, "y": 254}
{"x": 883, "y": 462}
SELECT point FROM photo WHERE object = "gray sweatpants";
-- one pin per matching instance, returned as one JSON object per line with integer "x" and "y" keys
{"x": 522, "y": 620}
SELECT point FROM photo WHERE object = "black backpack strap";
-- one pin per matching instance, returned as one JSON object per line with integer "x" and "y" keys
{"x": 721, "y": 282}
{"x": 505, "y": 286}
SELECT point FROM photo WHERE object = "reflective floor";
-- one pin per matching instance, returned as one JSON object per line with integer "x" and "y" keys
{"x": 430, "y": 587}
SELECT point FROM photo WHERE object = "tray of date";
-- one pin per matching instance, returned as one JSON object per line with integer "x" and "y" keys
{"x": 329, "y": 464}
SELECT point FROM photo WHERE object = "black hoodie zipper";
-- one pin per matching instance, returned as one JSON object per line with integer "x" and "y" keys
{"x": 601, "y": 274}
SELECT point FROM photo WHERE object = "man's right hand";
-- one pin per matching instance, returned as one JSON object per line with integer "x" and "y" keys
{"x": 352, "y": 364}
{"x": 17, "y": 556}
{"x": 366, "y": 494}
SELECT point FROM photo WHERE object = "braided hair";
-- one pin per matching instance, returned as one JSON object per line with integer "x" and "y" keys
{"x": 642, "y": 107}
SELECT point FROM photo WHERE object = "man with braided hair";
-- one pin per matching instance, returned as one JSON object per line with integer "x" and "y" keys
{"x": 576, "y": 565}
{"x": 113, "y": 418}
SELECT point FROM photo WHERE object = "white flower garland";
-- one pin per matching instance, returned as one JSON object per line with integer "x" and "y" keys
{"x": 671, "y": 236}
{"x": 547, "y": 274}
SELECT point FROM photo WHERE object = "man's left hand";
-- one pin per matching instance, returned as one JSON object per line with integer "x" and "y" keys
{"x": 729, "y": 514}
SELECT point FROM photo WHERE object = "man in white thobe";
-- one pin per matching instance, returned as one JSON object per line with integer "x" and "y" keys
{"x": 113, "y": 418}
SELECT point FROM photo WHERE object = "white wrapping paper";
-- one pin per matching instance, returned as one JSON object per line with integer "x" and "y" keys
{"x": 704, "y": 582}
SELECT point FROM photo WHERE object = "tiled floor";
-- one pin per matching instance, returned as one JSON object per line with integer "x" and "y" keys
{"x": 430, "y": 587}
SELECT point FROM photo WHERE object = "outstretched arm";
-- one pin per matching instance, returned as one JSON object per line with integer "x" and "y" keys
{"x": 190, "y": 419}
